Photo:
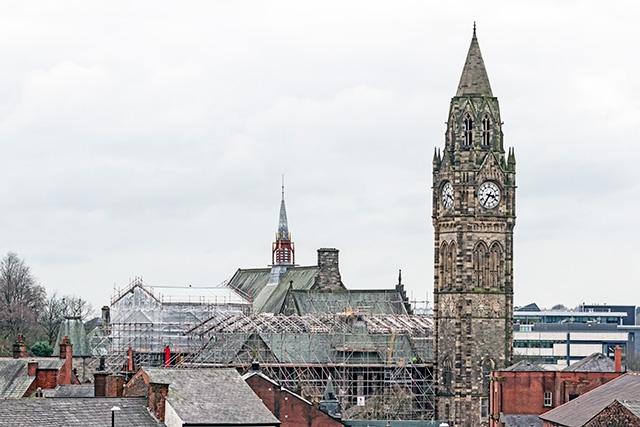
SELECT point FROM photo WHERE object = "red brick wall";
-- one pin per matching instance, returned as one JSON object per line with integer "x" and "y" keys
{"x": 523, "y": 392}
{"x": 157, "y": 396}
{"x": 290, "y": 409}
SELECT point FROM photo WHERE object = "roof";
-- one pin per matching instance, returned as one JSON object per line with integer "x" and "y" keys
{"x": 521, "y": 420}
{"x": 632, "y": 405}
{"x": 381, "y": 301}
{"x": 14, "y": 378}
{"x": 525, "y": 366}
{"x": 212, "y": 396}
{"x": 75, "y": 412}
{"x": 581, "y": 409}
{"x": 71, "y": 390}
{"x": 596, "y": 362}
{"x": 474, "y": 80}
{"x": 270, "y": 298}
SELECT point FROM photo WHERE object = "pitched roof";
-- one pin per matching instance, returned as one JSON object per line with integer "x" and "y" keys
{"x": 75, "y": 412}
{"x": 212, "y": 396}
{"x": 525, "y": 366}
{"x": 379, "y": 301}
{"x": 596, "y": 362}
{"x": 581, "y": 409}
{"x": 71, "y": 390}
{"x": 474, "y": 80}
{"x": 521, "y": 420}
{"x": 14, "y": 378}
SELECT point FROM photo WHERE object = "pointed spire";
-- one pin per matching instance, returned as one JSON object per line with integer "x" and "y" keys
{"x": 283, "y": 227}
{"x": 474, "y": 80}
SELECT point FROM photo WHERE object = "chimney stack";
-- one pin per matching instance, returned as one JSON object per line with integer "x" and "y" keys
{"x": 65, "y": 374}
{"x": 328, "y": 278}
{"x": 20, "y": 348}
{"x": 106, "y": 316}
{"x": 617, "y": 359}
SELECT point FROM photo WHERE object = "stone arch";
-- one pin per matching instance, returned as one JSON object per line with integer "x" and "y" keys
{"x": 480, "y": 273}
{"x": 496, "y": 266}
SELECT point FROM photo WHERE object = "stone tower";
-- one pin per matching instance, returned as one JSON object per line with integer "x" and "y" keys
{"x": 473, "y": 218}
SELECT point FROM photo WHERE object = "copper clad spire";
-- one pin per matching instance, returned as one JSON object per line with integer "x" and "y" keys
{"x": 474, "y": 80}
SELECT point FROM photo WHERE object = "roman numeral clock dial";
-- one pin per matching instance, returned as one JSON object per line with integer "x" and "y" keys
{"x": 447, "y": 195}
{"x": 489, "y": 195}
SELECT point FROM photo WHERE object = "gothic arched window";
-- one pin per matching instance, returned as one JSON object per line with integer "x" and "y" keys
{"x": 496, "y": 266}
{"x": 480, "y": 265}
{"x": 487, "y": 367}
{"x": 451, "y": 265}
{"x": 447, "y": 376}
{"x": 468, "y": 130}
{"x": 486, "y": 130}
{"x": 443, "y": 265}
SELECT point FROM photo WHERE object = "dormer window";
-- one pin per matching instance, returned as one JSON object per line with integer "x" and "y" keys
{"x": 468, "y": 130}
{"x": 486, "y": 130}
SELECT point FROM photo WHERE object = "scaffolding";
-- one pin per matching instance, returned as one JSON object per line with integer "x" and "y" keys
{"x": 380, "y": 364}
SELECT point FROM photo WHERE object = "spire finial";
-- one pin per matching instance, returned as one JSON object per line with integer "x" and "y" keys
{"x": 474, "y": 29}
{"x": 282, "y": 186}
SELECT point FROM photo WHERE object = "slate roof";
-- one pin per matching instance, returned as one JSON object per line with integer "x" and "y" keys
{"x": 596, "y": 362}
{"x": 381, "y": 301}
{"x": 521, "y": 421}
{"x": 525, "y": 366}
{"x": 14, "y": 378}
{"x": 75, "y": 412}
{"x": 581, "y": 409}
{"x": 632, "y": 405}
{"x": 71, "y": 390}
{"x": 212, "y": 396}
{"x": 252, "y": 283}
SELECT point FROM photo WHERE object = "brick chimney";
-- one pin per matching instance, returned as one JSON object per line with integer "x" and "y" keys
{"x": 157, "y": 397}
{"x": 328, "y": 278}
{"x": 20, "y": 348}
{"x": 66, "y": 371}
{"x": 617, "y": 359}
{"x": 32, "y": 368}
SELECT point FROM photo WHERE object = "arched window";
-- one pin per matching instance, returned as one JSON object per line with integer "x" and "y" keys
{"x": 486, "y": 130}
{"x": 468, "y": 130}
{"x": 451, "y": 265}
{"x": 496, "y": 266}
{"x": 480, "y": 265}
{"x": 487, "y": 367}
{"x": 443, "y": 265}
{"x": 447, "y": 376}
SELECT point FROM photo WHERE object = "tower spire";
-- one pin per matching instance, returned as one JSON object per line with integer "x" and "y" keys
{"x": 282, "y": 250}
{"x": 474, "y": 80}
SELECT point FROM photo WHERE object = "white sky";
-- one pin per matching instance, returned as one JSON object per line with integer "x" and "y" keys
{"x": 149, "y": 138}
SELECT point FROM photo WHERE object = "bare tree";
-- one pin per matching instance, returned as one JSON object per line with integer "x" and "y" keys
{"x": 21, "y": 297}
{"x": 74, "y": 306}
{"x": 51, "y": 317}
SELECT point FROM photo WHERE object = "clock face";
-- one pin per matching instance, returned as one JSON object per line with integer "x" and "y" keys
{"x": 447, "y": 195}
{"x": 489, "y": 194}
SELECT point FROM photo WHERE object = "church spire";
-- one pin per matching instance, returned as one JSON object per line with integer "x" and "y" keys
{"x": 282, "y": 251}
{"x": 474, "y": 80}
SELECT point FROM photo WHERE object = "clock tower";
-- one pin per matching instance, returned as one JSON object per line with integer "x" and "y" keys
{"x": 473, "y": 218}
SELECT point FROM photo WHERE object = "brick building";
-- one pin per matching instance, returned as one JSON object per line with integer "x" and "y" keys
{"x": 526, "y": 389}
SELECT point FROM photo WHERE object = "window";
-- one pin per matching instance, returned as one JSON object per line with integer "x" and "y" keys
{"x": 547, "y": 398}
{"x": 486, "y": 130}
{"x": 468, "y": 130}
{"x": 484, "y": 407}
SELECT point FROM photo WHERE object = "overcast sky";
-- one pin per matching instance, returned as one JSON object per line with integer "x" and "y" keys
{"x": 149, "y": 138}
